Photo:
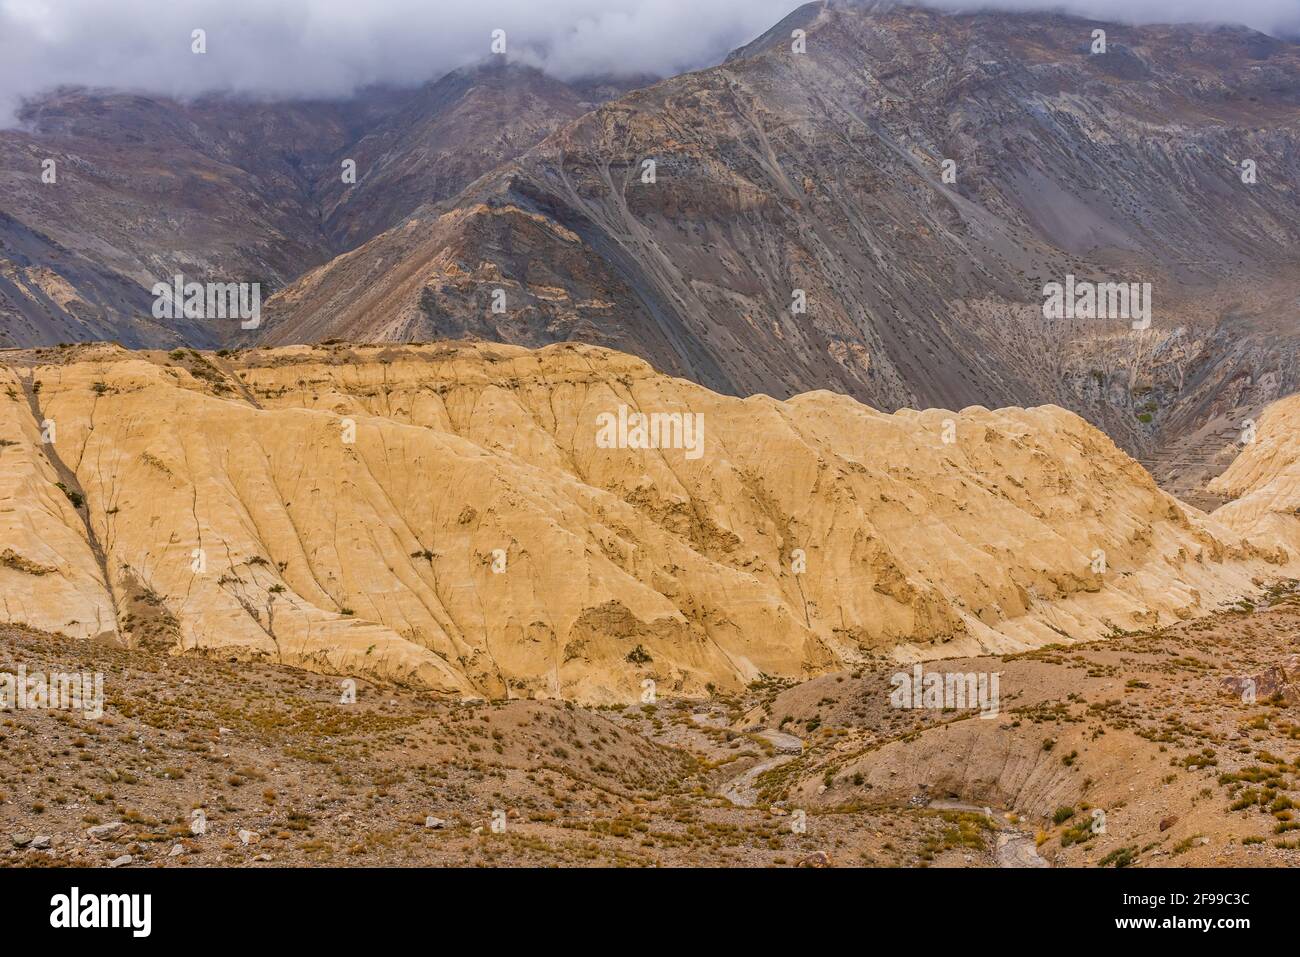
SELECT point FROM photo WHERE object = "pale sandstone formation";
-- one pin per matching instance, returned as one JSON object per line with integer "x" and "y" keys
{"x": 1264, "y": 479}
{"x": 379, "y": 556}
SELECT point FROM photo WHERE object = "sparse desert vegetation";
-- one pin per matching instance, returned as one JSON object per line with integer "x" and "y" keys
{"x": 1167, "y": 765}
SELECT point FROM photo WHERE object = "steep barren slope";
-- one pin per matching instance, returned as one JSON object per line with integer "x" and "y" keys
{"x": 227, "y": 190}
{"x": 454, "y": 515}
{"x": 144, "y": 188}
{"x": 822, "y": 171}
{"x": 446, "y": 135}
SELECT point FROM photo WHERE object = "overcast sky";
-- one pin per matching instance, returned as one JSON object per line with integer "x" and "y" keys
{"x": 330, "y": 47}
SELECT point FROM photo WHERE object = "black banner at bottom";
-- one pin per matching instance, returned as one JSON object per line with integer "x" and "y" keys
{"x": 618, "y": 908}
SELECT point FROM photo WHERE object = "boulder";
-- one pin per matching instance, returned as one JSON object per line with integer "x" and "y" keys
{"x": 106, "y": 832}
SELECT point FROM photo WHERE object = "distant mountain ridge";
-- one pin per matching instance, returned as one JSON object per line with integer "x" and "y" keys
{"x": 824, "y": 172}
{"x": 803, "y": 231}
{"x": 232, "y": 190}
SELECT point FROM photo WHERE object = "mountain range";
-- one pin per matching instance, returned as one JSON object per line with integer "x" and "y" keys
{"x": 876, "y": 447}
{"x": 868, "y": 199}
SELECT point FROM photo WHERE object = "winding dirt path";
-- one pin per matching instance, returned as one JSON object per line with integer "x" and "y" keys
{"x": 742, "y": 790}
{"x": 1012, "y": 847}
{"x": 1017, "y": 849}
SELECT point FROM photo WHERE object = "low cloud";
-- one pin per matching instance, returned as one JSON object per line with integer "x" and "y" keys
{"x": 328, "y": 48}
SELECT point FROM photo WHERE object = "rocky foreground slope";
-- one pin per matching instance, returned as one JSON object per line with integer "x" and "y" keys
{"x": 1135, "y": 751}
{"x": 453, "y": 516}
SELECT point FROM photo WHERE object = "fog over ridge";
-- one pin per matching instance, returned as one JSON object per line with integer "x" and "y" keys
{"x": 329, "y": 48}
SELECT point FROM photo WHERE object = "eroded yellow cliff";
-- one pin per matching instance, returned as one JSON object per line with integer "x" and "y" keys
{"x": 454, "y": 515}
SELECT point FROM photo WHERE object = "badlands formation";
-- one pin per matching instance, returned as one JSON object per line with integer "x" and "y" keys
{"x": 445, "y": 516}
{"x": 1263, "y": 482}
